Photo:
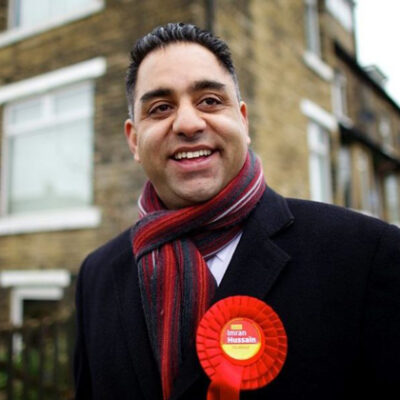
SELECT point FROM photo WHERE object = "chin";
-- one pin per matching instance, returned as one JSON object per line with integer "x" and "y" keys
{"x": 199, "y": 196}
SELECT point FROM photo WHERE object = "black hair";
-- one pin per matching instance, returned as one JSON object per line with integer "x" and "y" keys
{"x": 161, "y": 37}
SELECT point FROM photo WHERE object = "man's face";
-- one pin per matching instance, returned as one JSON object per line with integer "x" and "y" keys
{"x": 189, "y": 132}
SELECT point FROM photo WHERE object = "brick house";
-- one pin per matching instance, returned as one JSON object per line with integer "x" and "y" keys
{"x": 324, "y": 127}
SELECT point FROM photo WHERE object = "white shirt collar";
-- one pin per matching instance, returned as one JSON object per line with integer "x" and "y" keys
{"x": 218, "y": 264}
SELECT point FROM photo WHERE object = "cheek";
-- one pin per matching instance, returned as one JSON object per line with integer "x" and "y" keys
{"x": 150, "y": 153}
{"x": 152, "y": 137}
{"x": 230, "y": 127}
{"x": 146, "y": 144}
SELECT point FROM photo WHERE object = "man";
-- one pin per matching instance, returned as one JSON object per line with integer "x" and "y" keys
{"x": 208, "y": 229}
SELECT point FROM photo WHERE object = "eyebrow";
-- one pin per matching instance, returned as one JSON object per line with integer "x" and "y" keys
{"x": 195, "y": 87}
{"x": 161, "y": 92}
{"x": 207, "y": 84}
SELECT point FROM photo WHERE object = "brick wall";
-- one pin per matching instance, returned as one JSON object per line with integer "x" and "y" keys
{"x": 267, "y": 39}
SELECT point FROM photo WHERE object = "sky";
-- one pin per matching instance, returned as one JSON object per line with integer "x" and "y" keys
{"x": 378, "y": 32}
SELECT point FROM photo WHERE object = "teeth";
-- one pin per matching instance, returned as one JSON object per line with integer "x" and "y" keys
{"x": 192, "y": 154}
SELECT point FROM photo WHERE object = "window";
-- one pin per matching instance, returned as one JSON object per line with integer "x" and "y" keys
{"x": 392, "y": 199}
{"x": 49, "y": 150}
{"x": 319, "y": 164}
{"x": 365, "y": 187}
{"x": 344, "y": 175}
{"x": 385, "y": 133}
{"x": 33, "y": 285}
{"x": 312, "y": 27}
{"x": 30, "y": 17}
{"x": 29, "y": 288}
{"x": 27, "y": 13}
{"x": 46, "y": 163}
{"x": 340, "y": 95}
{"x": 342, "y": 10}
{"x": 312, "y": 54}
{"x": 320, "y": 124}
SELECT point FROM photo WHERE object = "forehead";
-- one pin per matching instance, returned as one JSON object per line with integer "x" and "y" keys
{"x": 178, "y": 64}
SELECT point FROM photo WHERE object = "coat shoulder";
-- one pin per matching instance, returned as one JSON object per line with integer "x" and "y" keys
{"x": 324, "y": 215}
{"x": 114, "y": 251}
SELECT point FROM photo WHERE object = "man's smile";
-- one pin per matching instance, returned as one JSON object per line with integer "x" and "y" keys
{"x": 192, "y": 154}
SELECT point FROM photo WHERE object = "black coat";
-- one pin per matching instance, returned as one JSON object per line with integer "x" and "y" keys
{"x": 332, "y": 275}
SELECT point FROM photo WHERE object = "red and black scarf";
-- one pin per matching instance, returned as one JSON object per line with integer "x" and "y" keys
{"x": 171, "y": 246}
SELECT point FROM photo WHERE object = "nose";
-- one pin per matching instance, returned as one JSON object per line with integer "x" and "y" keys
{"x": 187, "y": 121}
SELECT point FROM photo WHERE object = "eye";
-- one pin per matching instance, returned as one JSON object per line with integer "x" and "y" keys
{"x": 159, "y": 109}
{"x": 210, "y": 101}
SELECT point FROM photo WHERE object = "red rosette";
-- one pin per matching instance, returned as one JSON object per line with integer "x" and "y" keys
{"x": 241, "y": 344}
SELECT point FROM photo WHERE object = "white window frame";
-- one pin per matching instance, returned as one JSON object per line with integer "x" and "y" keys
{"x": 392, "y": 203}
{"x": 32, "y": 285}
{"x": 318, "y": 117}
{"x": 344, "y": 177}
{"x": 385, "y": 132}
{"x": 339, "y": 95}
{"x": 312, "y": 32}
{"x": 48, "y": 120}
{"x": 365, "y": 183}
{"x": 320, "y": 185}
{"x": 15, "y": 34}
{"x": 315, "y": 112}
{"x": 312, "y": 53}
{"x": 86, "y": 217}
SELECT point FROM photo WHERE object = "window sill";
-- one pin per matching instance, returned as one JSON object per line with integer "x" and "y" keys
{"x": 50, "y": 221}
{"x": 344, "y": 120}
{"x": 322, "y": 117}
{"x": 16, "y": 34}
{"x": 315, "y": 63}
{"x": 84, "y": 70}
{"x": 35, "y": 278}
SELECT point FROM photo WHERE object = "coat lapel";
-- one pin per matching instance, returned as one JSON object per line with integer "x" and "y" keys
{"x": 134, "y": 326}
{"x": 255, "y": 266}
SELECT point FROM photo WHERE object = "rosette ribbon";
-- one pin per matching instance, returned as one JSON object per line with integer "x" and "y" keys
{"x": 241, "y": 344}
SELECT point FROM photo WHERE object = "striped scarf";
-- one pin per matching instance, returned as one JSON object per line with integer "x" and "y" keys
{"x": 171, "y": 246}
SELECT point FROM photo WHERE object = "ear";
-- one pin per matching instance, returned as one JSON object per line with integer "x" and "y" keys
{"x": 131, "y": 138}
{"x": 245, "y": 119}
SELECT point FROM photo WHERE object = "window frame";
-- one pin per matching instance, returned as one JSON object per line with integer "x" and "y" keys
{"x": 14, "y": 34}
{"x": 47, "y": 220}
{"x": 344, "y": 175}
{"x": 321, "y": 181}
{"x": 386, "y": 132}
{"x": 50, "y": 120}
{"x": 365, "y": 186}
{"x": 35, "y": 285}
{"x": 312, "y": 28}
{"x": 391, "y": 184}
{"x": 32, "y": 285}
{"x": 317, "y": 116}
{"x": 312, "y": 58}
{"x": 339, "y": 94}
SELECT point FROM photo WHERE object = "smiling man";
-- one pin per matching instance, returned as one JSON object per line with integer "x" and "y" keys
{"x": 209, "y": 228}
{"x": 188, "y": 130}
